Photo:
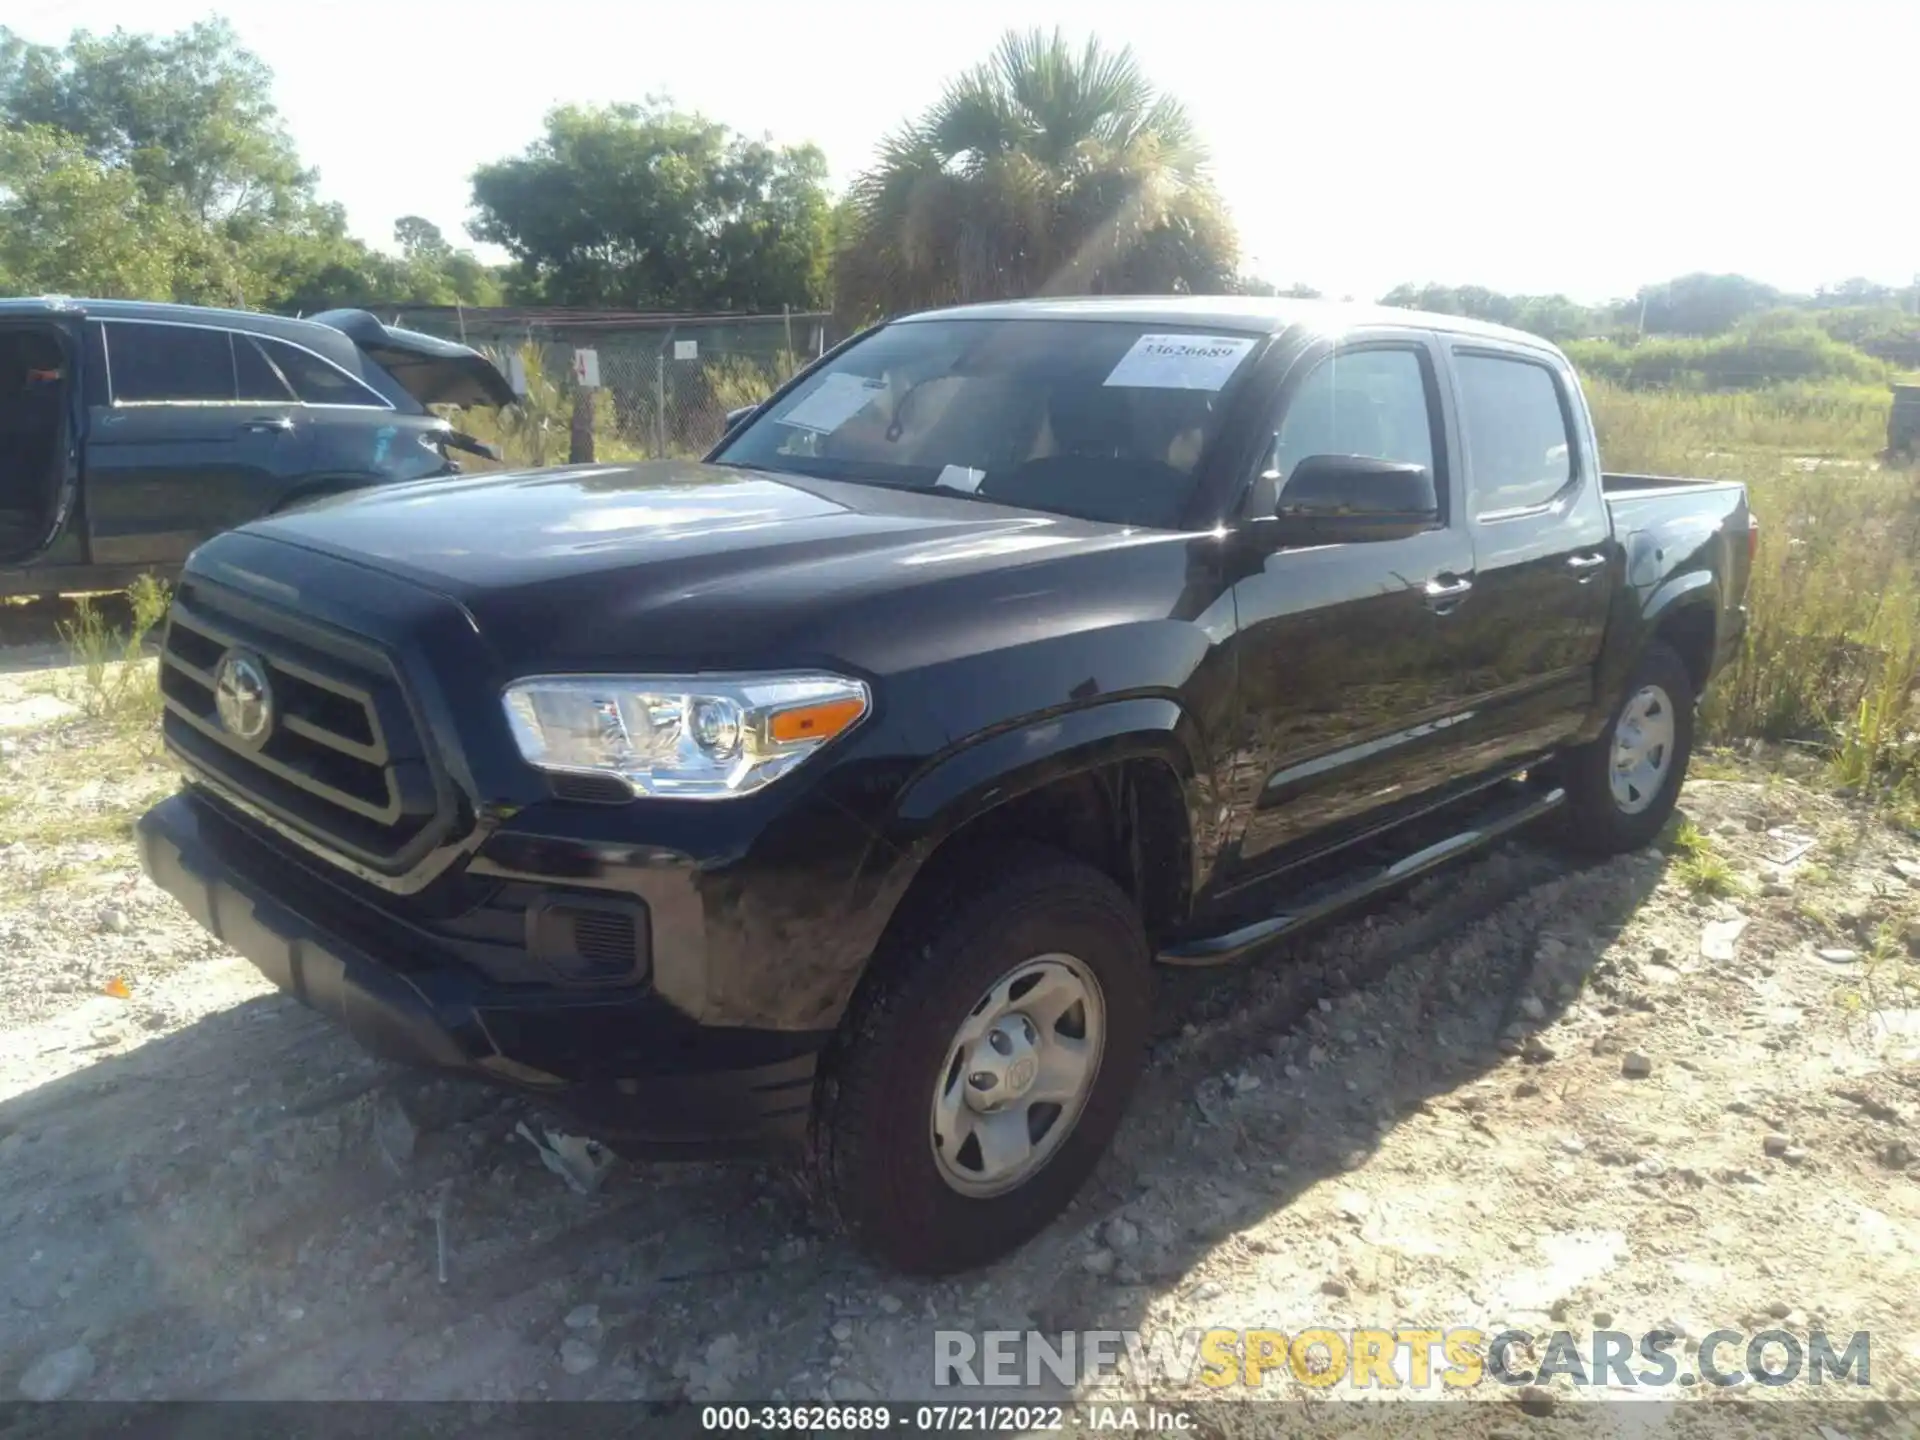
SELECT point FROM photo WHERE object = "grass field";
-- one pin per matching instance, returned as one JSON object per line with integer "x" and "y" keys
{"x": 1833, "y": 651}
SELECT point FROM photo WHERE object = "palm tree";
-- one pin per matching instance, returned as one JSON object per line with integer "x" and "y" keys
{"x": 1041, "y": 172}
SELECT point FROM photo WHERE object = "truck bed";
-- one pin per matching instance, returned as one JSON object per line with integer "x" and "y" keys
{"x": 1636, "y": 485}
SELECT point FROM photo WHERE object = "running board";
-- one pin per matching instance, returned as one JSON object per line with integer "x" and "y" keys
{"x": 1318, "y": 902}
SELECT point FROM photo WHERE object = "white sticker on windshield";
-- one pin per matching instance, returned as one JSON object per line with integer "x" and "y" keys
{"x": 960, "y": 477}
{"x": 836, "y": 400}
{"x": 1181, "y": 362}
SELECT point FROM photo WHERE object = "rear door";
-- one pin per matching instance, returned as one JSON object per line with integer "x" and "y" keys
{"x": 195, "y": 434}
{"x": 1350, "y": 655}
{"x": 1544, "y": 559}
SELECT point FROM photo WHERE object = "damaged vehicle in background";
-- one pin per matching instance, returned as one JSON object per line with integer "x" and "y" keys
{"x": 130, "y": 432}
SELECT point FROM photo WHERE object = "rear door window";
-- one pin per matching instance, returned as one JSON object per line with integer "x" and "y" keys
{"x": 256, "y": 376}
{"x": 316, "y": 381}
{"x": 1519, "y": 444}
{"x": 149, "y": 364}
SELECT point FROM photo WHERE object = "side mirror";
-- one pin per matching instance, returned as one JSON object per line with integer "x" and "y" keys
{"x": 1344, "y": 499}
{"x": 734, "y": 417}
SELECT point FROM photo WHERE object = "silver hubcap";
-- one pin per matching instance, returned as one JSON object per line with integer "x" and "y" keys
{"x": 1642, "y": 749}
{"x": 1017, "y": 1075}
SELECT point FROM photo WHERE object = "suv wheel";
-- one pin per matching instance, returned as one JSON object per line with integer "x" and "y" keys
{"x": 1622, "y": 787}
{"x": 977, "y": 1081}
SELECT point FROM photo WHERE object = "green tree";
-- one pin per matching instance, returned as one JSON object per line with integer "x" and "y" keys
{"x": 420, "y": 239}
{"x": 1554, "y": 317}
{"x": 63, "y": 217}
{"x": 156, "y": 167}
{"x": 190, "y": 115}
{"x": 646, "y": 207}
{"x": 1043, "y": 171}
{"x": 1698, "y": 304}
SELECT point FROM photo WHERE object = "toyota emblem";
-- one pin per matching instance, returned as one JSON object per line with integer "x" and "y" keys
{"x": 243, "y": 697}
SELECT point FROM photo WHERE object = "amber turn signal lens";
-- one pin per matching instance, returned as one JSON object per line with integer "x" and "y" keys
{"x": 814, "y": 722}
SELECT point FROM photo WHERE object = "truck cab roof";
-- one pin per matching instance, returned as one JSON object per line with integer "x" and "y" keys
{"x": 1252, "y": 314}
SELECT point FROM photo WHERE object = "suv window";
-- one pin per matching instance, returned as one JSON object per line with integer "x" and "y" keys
{"x": 1363, "y": 402}
{"x": 258, "y": 379}
{"x": 1519, "y": 451}
{"x": 314, "y": 380}
{"x": 149, "y": 363}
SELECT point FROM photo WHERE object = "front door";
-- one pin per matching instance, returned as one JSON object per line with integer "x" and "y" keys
{"x": 1349, "y": 655}
{"x": 40, "y": 372}
{"x": 175, "y": 454}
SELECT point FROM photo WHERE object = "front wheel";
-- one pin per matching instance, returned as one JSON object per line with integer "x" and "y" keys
{"x": 1622, "y": 787}
{"x": 977, "y": 1081}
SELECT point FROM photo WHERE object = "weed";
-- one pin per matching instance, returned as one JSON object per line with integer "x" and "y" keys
{"x": 1889, "y": 976}
{"x": 1703, "y": 872}
{"x": 117, "y": 683}
{"x": 1687, "y": 839}
{"x": 1707, "y": 874}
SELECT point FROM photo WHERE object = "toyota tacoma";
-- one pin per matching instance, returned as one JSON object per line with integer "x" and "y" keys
{"x": 836, "y": 794}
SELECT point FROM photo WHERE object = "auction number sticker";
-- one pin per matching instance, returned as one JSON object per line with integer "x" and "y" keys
{"x": 1181, "y": 362}
{"x": 837, "y": 399}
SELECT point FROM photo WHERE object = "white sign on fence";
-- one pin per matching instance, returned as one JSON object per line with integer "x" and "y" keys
{"x": 586, "y": 369}
{"x": 517, "y": 375}
{"x": 686, "y": 349}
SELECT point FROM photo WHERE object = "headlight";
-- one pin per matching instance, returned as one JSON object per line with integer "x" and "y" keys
{"x": 696, "y": 737}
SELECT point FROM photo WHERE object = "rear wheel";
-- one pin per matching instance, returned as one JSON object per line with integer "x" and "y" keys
{"x": 1622, "y": 787}
{"x": 979, "y": 1078}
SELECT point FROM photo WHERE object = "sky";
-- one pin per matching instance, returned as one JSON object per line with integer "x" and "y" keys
{"x": 1580, "y": 146}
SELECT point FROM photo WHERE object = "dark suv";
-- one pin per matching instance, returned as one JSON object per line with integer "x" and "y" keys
{"x": 130, "y": 432}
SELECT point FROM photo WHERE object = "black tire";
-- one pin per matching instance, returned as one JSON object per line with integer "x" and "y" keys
{"x": 873, "y": 1130}
{"x": 1595, "y": 820}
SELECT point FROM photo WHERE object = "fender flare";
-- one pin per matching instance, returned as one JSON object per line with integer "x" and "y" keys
{"x": 1694, "y": 588}
{"x": 960, "y": 784}
{"x": 966, "y": 783}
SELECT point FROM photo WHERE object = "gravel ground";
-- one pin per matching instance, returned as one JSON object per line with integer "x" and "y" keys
{"x": 1525, "y": 1094}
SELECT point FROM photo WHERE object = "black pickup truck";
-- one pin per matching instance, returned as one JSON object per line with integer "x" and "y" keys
{"x": 837, "y": 793}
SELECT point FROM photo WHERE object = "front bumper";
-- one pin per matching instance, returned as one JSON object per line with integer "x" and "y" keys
{"x": 643, "y": 1074}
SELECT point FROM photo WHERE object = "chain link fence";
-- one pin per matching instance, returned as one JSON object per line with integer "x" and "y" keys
{"x": 604, "y": 385}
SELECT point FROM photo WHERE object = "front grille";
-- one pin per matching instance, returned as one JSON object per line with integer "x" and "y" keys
{"x": 342, "y": 761}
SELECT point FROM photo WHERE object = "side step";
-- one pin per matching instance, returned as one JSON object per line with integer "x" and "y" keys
{"x": 1320, "y": 901}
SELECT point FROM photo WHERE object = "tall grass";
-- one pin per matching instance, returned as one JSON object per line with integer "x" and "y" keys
{"x": 538, "y": 430}
{"x": 1722, "y": 435}
{"x": 114, "y": 680}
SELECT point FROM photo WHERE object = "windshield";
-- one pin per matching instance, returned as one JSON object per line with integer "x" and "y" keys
{"x": 1096, "y": 419}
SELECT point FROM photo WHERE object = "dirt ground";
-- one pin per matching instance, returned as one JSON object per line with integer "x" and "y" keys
{"x": 1525, "y": 1094}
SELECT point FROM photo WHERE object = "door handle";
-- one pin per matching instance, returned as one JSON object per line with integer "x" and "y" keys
{"x": 278, "y": 423}
{"x": 1585, "y": 562}
{"x": 1447, "y": 590}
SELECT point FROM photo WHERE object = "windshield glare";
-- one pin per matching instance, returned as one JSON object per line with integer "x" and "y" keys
{"x": 1095, "y": 419}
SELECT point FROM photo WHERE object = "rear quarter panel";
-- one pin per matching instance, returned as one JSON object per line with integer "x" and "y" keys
{"x": 1684, "y": 544}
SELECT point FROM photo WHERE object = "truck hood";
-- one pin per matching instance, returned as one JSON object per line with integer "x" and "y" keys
{"x": 673, "y": 561}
